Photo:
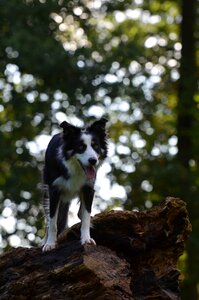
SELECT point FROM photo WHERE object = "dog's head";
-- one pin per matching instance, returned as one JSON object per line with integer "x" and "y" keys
{"x": 88, "y": 145}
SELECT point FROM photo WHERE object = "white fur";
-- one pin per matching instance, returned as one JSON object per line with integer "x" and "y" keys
{"x": 71, "y": 187}
{"x": 89, "y": 152}
{"x": 85, "y": 227}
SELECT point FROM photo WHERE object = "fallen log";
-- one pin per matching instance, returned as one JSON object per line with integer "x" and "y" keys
{"x": 135, "y": 258}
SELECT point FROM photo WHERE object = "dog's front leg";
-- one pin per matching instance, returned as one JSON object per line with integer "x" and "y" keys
{"x": 50, "y": 243}
{"x": 86, "y": 199}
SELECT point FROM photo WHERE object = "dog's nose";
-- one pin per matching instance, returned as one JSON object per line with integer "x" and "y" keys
{"x": 92, "y": 161}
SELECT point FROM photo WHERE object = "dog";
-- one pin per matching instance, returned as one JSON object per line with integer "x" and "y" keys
{"x": 72, "y": 159}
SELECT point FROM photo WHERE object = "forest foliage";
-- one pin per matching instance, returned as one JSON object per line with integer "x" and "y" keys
{"x": 78, "y": 60}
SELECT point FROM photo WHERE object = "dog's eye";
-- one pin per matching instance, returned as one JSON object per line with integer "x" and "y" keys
{"x": 95, "y": 146}
{"x": 81, "y": 148}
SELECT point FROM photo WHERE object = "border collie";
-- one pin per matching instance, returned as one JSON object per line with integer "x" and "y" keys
{"x": 71, "y": 162}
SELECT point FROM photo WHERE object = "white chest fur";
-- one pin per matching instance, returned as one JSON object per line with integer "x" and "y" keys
{"x": 72, "y": 186}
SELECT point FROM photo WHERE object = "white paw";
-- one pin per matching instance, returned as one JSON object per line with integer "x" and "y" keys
{"x": 88, "y": 241}
{"x": 48, "y": 246}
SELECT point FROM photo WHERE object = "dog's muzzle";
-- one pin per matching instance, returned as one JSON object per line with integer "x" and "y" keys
{"x": 90, "y": 170}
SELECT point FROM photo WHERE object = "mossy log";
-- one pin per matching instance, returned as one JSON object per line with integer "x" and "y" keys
{"x": 135, "y": 258}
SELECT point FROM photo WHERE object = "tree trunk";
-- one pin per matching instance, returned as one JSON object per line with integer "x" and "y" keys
{"x": 135, "y": 258}
{"x": 186, "y": 144}
{"x": 187, "y": 83}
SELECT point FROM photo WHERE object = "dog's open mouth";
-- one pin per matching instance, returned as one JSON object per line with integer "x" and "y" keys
{"x": 90, "y": 171}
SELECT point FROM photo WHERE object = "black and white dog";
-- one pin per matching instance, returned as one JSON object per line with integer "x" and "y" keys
{"x": 71, "y": 162}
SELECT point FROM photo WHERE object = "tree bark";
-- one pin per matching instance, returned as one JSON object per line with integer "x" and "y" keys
{"x": 135, "y": 258}
{"x": 186, "y": 125}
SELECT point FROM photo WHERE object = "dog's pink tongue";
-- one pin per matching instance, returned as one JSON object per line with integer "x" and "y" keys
{"x": 90, "y": 172}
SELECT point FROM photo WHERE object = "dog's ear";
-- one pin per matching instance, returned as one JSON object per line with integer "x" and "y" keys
{"x": 99, "y": 129}
{"x": 99, "y": 125}
{"x": 68, "y": 128}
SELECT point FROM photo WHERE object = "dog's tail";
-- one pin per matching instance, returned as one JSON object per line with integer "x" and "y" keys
{"x": 46, "y": 203}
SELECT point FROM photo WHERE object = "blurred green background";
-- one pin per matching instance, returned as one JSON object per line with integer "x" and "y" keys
{"x": 135, "y": 61}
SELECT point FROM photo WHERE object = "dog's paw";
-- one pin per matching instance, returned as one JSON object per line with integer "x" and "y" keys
{"x": 48, "y": 247}
{"x": 88, "y": 241}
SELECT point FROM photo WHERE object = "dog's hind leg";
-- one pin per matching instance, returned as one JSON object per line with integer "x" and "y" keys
{"x": 46, "y": 207}
{"x": 50, "y": 243}
{"x": 86, "y": 198}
